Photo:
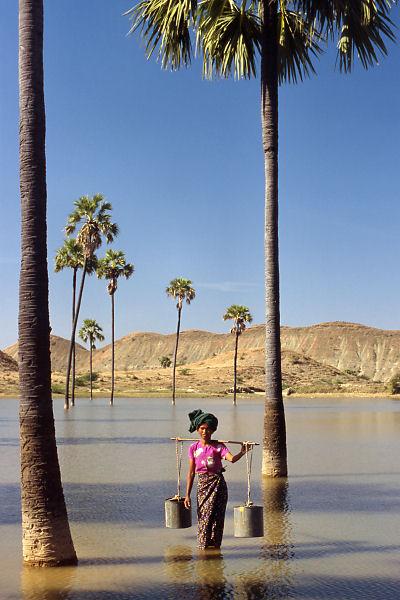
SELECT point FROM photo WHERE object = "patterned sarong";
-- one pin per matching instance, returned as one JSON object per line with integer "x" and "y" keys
{"x": 212, "y": 496}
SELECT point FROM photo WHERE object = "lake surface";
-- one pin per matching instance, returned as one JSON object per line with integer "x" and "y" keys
{"x": 331, "y": 530}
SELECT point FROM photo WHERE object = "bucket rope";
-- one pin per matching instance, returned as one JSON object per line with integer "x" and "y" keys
{"x": 179, "y": 452}
{"x": 249, "y": 461}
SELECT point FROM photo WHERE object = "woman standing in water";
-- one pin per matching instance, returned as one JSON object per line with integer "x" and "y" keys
{"x": 205, "y": 460}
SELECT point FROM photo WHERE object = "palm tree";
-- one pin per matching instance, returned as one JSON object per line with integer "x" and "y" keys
{"x": 240, "y": 316}
{"x": 46, "y": 537}
{"x": 94, "y": 214}
{"x": 112, "y": 267}
{"x": 180, "y": 289}
{"x": 91, "y": 332}
{"x": 70, "y": 255}
{"x": 286, "y": 34}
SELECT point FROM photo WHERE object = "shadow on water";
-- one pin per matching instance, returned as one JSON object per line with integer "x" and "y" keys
{"x": 131, "y": 440}
{"x": 143, "y": 502}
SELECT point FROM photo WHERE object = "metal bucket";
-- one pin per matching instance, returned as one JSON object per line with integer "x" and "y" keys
{"x": 176, "y": 515}
{"x": 248, "y": 521}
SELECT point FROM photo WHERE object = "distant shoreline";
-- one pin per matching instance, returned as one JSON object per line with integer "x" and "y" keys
{"x": 227, "y": 396}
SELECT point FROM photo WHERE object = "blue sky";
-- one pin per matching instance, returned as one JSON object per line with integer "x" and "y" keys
{"x": 180, "y": 159}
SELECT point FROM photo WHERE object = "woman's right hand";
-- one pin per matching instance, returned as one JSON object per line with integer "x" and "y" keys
{"x": 186, "y": 502}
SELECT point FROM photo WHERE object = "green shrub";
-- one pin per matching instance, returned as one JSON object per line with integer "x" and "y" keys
{"x": 393, "y": 385}
{"x": 351, "y": 372}
{"x": 57, "y": 388}
{"x": 184, "y": 372}
{"x": 84, "y": 380}
{"x": 165, "y": 362}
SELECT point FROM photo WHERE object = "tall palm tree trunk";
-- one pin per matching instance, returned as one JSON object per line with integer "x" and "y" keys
{"x": 91, "y": 368}
{"x": 46, "y": 537}
{"x": 235, "y": 367}
{"x": 72, "y": 342}
{"x": 274, "y": 462}
{"x": 175, "y": 355}
{"x": 73, "y": 352}
{"x": 112, "y": 349}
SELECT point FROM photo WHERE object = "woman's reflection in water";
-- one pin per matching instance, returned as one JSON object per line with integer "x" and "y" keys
{"x": 210, "y": 579}
{"x": 273, "y": 578}
{"x": 199, "y": 577}
{"x": 53, "y": 583}
{"x": 178, "y": 562}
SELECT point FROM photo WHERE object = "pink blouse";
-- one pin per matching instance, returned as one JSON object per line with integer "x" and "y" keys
{"x": 207, "y": 459}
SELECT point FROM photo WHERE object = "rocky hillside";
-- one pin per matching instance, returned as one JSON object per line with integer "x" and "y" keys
{"x": 366, "y": 351}
{"x": 59, "y": 354}
{"x": 7, "y": 363}
{"x": 356, "y": 350}
{"x": 360, "y": 350}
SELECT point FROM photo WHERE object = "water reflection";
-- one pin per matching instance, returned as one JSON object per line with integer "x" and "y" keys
{"x": 277, "y": 527}
{"x": 200, "y": 576}
{"x": 211, "y": 581}
{"x": 117, "y": 465}
{"x": 178, "y": 561}
{"x": 47, "y": 584}
{"x": 273, "y": 577}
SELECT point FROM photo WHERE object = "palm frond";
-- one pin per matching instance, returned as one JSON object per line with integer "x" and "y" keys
{"x": 70, "y": 255}
{"x": 229, "y": 37}
{"x": 298, "y": 42}
{"x": 165, "y": 25}
{"x": 363, "y": 33}
{"x": 361, "y": 27}
{"x": 239, "y": 314}
{"x": 181, "y": 288}
{"x": 92, "y": 332}
{"x": 113, "y": 266}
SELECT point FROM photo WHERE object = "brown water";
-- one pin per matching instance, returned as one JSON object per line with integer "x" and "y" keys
{"x": 331, "y": 530}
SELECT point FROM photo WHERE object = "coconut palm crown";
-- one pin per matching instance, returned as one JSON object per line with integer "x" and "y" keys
{"x": 94, "y": 214}
{"x": 181, "y": 289}
{"x": 240, "y": 315}
{"x": 91, "y": 332}
{"x": 70, "y": 256}
{"x": 112, "y": 267}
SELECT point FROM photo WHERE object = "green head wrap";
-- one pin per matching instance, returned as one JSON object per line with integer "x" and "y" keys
{"x": 198, "y": 417}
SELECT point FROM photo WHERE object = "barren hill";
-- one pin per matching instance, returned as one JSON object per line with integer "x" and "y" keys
{"x": 374, "y": 353}
{"x": 353, "y": 349}
{"x": 59, "y": 354}
{"x": 365, "y": 351}
{"x": 7, "y": 363}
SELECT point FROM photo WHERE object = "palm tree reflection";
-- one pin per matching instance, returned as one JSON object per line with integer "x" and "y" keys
{"x": 47, "y": 584}
{"x": 272, "y": 578}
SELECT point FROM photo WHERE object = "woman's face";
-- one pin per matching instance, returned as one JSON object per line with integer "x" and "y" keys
{"x": 205, "y": 432}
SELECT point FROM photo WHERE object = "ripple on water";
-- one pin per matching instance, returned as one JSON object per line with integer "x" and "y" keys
{"x": 331, "y": 529}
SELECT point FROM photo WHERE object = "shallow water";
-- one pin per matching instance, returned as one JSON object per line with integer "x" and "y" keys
{"x": 331, "y": 530}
